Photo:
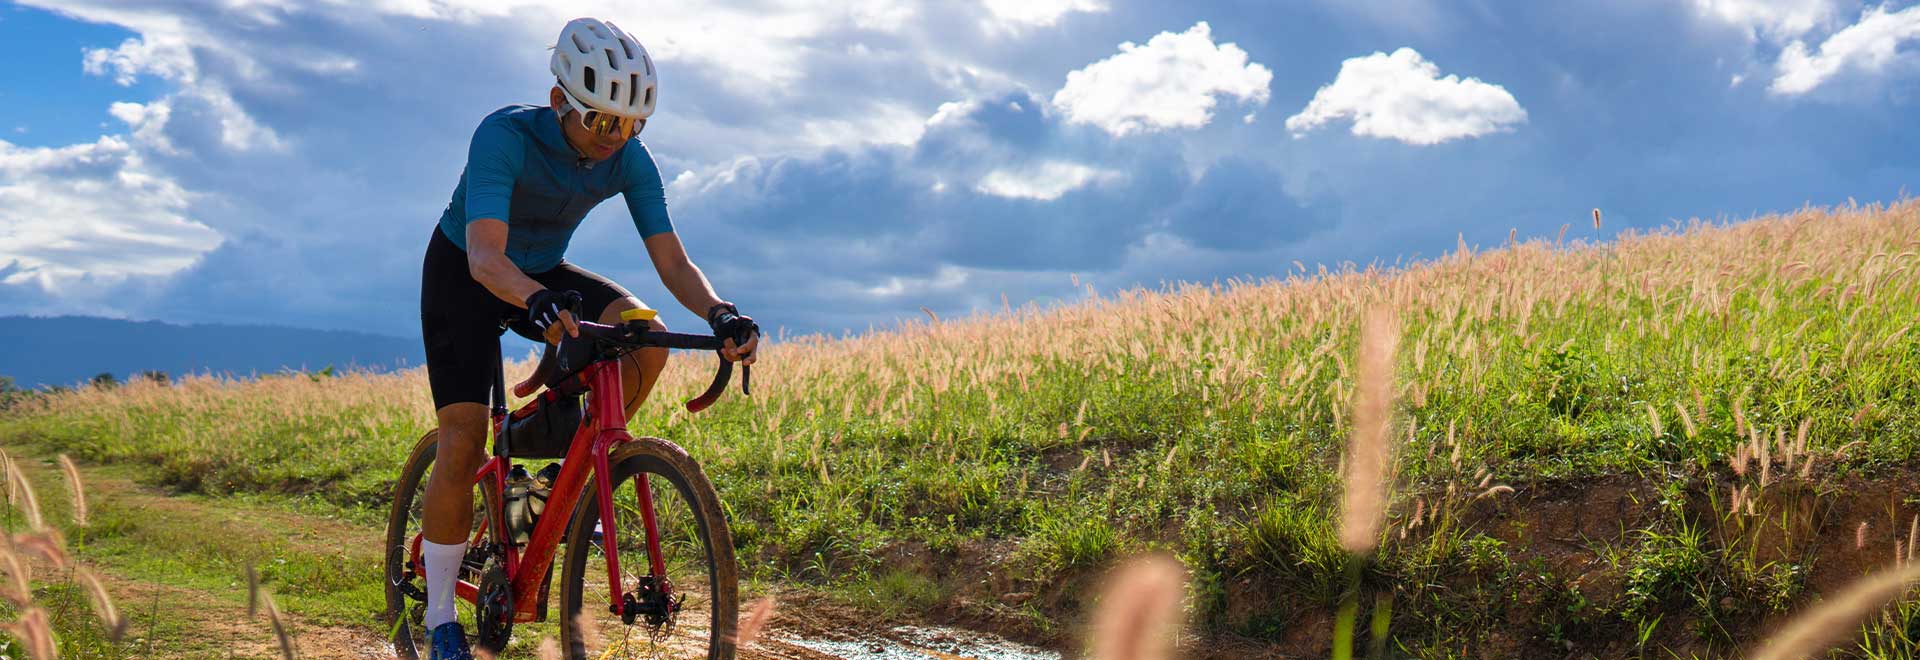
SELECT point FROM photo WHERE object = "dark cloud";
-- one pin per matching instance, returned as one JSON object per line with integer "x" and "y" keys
{"x": 1239, "y": 204}
{"x": 1630, "y": 108}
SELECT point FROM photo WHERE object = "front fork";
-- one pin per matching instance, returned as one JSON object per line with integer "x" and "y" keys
{"x": 609, "y": 536}
{"x": 613, "y": 432}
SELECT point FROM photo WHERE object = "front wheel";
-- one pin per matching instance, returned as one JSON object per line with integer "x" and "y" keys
{"x": 698, "y": 620}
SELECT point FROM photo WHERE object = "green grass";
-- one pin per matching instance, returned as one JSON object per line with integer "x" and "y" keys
{"x": 1204, "y": 420}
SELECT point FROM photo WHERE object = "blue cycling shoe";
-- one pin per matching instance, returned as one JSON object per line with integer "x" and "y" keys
{"x": 450, "y": 643}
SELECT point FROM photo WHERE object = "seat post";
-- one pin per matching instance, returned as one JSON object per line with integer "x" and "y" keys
{"x": 499, "y": 401}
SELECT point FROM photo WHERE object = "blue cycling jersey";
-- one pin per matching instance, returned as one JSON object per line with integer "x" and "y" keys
{"x": 520, "y": 169}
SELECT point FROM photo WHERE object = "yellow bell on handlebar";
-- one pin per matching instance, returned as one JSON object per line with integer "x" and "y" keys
{"x": 631, "y": 315}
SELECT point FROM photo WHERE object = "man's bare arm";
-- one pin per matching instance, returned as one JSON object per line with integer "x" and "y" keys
{"x": 690, "y": 286}
{"x": 683, "y": 279}
{"x": 488, "y": 263}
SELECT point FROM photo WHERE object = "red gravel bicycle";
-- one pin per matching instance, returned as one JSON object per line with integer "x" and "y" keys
{"x": 671, "y": 588}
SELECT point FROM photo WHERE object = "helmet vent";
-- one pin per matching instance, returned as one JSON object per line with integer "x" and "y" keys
{"x": 580, "y": 44}
{"x": 649, "y": 62}
{"x": 649, "y": 101}
{"x": 611, "y": 63}
{"x": 613, "y": 90}
{"x": 628, "y": 47}
{"x": 632, "y": 90}
{"x": 587, "y": 71}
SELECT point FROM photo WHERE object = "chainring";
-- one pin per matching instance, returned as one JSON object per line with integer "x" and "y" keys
{"x": 493, "y": 613}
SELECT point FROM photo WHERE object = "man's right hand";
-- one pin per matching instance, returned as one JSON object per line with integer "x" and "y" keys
{"x": 553, "y": 311}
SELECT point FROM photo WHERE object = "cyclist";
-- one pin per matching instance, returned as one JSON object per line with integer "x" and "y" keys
{"x": 532, "y": 174}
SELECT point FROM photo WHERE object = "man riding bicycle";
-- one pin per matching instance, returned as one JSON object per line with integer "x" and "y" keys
{"x": 532, "y": 174}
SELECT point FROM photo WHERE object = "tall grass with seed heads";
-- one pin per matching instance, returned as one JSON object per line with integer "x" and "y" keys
{"x": 1208, "y": 420}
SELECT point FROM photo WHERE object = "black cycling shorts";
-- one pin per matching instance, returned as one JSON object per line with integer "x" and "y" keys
{"x": 461, "y": 320}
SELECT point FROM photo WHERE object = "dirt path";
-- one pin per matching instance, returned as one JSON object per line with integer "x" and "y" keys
{"x": 200, "y": 626}
{"x": 169, "y": 620}
{"x": 174, "y": 565}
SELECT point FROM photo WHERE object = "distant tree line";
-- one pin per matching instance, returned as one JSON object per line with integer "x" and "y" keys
{"x": 10, "y": 390}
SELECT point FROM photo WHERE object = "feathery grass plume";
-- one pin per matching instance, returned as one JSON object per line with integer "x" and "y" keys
{"x": 588, "y": 632}
{"x": 253, "y": 591}
{"x": 1835, "y": 618}
{"x": 1368, "y": 452}
{"x": 79, "y": 490}
{"x": 19, "y": 589}
{"x": 1653, "y": 416}
{"x": 549, "y": 649}
{"x": 1860, "y": 536}
{"x": 1686, "y": 421}
{"x": 1913, "y": 536}
{"x": 1861, "y": 414}
{"x": 758, "y": 616}
{"x": 46, "y": 544}
{"x": 31, "y": 501}
{"x": 35, "y": 630}
{"x": 103, "y": 605}
{"x": 1596, "y": 218}
{"x": 1138, "y": 617}
{"x": 279, "y": 626}
{"x": 13, "y": 488}
{"x": 258, "y": 598}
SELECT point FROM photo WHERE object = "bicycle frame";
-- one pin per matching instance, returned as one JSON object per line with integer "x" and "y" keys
{"x": 527, "y": 567}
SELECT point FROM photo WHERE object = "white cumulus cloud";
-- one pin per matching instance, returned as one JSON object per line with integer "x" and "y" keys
{"x": 91, "y": 210}
{"x": 1045, "y": 182}
{"x": 1173, "y": 81}
{"x": 1867, "y": 46}
{"x": 166, "y": 57}
{"x": 1038, "y": 13}
{"x": 1402, "y": 97}
{"x": 1775, "y": 19}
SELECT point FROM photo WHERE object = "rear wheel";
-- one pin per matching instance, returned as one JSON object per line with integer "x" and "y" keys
{"x": 406, "y": 581}
{"x": 698, "y": 620}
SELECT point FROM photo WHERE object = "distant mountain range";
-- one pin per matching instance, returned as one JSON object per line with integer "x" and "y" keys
{"x": 64, "y": 350}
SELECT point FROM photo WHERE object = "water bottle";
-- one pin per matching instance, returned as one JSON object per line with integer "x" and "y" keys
{"x": 520, "y": 514}
{"x": 537, "y": 492}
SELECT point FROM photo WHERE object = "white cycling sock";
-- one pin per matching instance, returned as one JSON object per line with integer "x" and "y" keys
{"x": 443, "y": 569}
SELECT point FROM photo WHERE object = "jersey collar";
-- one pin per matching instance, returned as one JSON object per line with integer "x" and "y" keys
{"x": 546, "y": 129}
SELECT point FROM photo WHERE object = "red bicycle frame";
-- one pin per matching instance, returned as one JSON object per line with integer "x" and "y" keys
{"x": 527, "y": 568}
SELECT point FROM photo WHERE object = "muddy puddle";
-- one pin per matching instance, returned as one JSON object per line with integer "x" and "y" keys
{"x": 922, "y": 643}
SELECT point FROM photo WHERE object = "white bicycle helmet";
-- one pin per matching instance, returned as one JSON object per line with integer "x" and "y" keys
{"x": 600, "y": 67}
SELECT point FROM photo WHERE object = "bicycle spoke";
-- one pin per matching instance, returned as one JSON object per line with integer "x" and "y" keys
{"x": 685, "y": 633}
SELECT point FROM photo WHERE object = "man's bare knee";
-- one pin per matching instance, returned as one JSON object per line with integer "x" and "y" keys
{"x": 611, "y": 315}
{"x": 463, "y": 434}
{"x": 652, "y": 360}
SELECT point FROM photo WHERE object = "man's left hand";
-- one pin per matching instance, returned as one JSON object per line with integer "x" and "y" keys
{"x": 742, "y": 335}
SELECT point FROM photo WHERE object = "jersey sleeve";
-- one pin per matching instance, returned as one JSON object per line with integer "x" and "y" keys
{"x": 646, "y": 195}
{"x": 494, "y": 161}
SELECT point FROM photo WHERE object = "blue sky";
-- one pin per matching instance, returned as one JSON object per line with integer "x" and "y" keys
{"x": 834, "y": 165}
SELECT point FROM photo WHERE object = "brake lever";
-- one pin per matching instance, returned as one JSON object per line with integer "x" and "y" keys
{"x": 746, "y": 379}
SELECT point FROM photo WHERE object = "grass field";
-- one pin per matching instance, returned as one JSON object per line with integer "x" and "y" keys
{"x": 1741, "y": 400}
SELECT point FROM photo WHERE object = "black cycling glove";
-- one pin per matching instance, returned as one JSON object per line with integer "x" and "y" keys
{"x": 543, "y": 307}
{"x": 729, "y": 323}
